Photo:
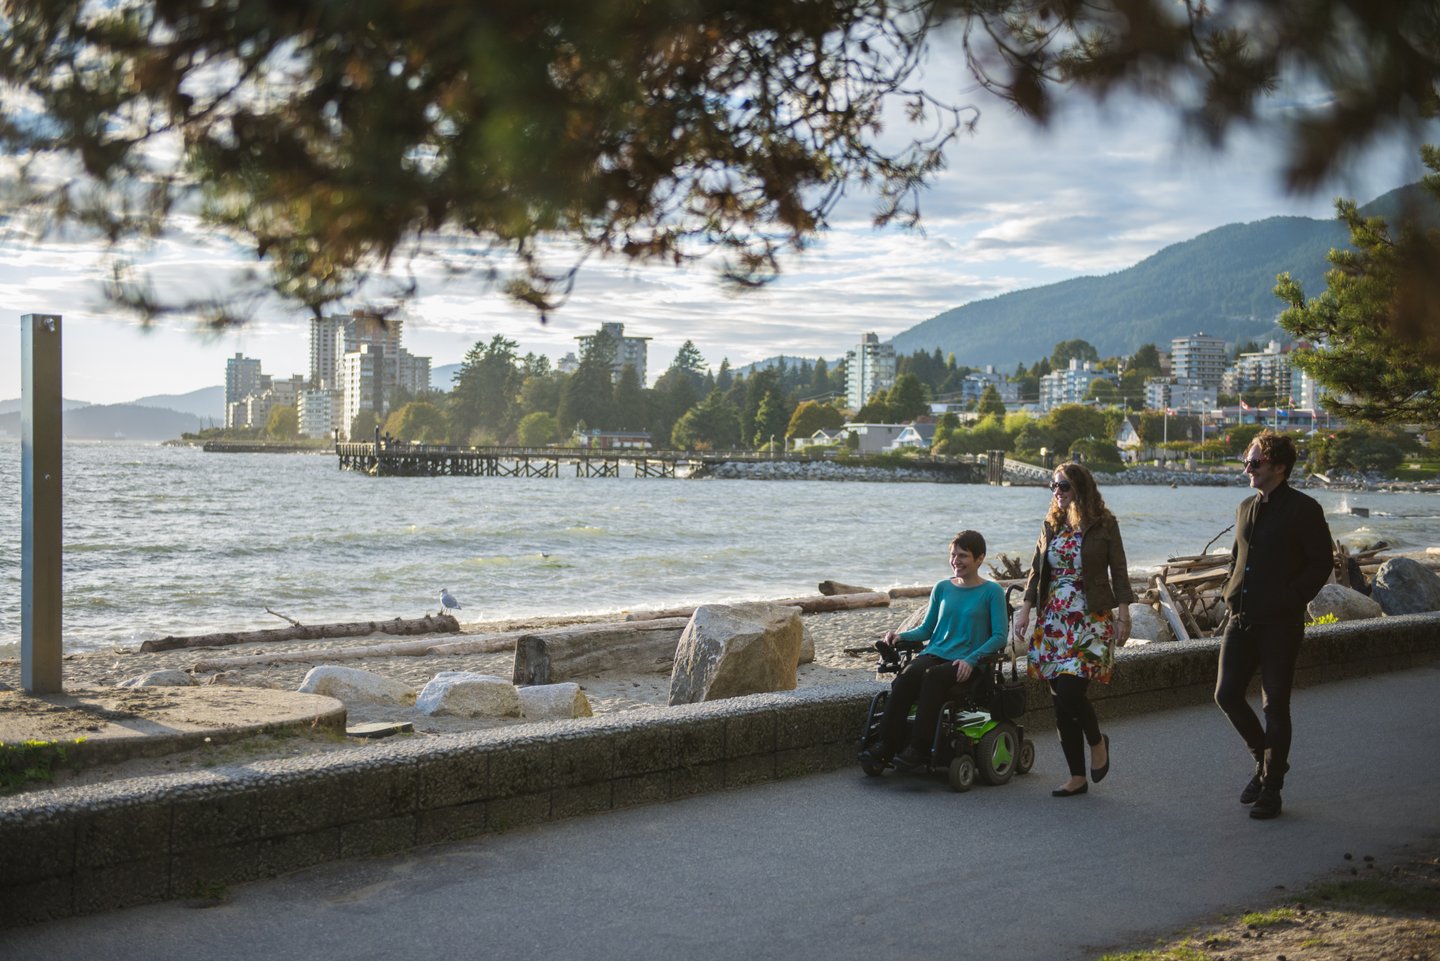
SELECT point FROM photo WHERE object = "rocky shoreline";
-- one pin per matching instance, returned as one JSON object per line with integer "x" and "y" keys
{"x": 973, "y": 474}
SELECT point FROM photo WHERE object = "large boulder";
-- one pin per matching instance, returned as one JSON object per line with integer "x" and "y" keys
{"x": 467, "y": 694}
{"x": 732, "y": 649}
{"x": 1146, "y": 625}
{"x": 1344, "y": 603}
{"x": 350, "y": 685}
{"x": 548, "y": 702}
{"x": 1404, "y": 586}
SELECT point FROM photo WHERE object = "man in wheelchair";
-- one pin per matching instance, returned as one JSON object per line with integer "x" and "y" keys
{"x": 966, "y": 621}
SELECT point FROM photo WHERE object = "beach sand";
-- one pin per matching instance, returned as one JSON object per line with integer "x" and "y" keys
{"x": 99, "y": 672}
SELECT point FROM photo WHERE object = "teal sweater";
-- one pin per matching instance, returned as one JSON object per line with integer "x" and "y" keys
{"x": 963, "y": 623}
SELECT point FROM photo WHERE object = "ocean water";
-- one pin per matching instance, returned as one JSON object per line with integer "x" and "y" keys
{"x": 166, "y": 540}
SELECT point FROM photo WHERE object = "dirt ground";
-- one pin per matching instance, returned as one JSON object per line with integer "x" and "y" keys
{"x": 1371, "y": 909}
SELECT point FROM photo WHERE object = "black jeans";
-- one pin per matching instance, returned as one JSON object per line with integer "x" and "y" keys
{"x": 1273, "y": 648}
{"x": 1074, "y": 719}
{"x": 927, "y": 684}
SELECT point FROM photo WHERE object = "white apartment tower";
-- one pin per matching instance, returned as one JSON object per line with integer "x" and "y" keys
{"x": 363, "y": 385}
{"x": 1199, "y": 357}
{"x": 628, "y": 350}
{"x": 868, "y": 368}
{"x": 324, "y": 363}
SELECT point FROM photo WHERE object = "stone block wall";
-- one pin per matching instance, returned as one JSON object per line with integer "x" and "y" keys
{"x": 81, "y": 850}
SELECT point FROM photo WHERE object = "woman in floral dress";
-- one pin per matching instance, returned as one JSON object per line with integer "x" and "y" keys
{"x": 1081, "y": 584}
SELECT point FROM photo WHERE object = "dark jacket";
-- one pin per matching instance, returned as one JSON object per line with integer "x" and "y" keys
{"x": 1275, "y": 574}
{"x": 1104, "y": 575}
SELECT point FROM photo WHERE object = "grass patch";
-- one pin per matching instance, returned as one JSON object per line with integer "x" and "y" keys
{"x": 1380, "y": 893}
{"x": 1267, "y": 919}
{"x": 23, "y": 762}
{"x": 1179, "y": 953}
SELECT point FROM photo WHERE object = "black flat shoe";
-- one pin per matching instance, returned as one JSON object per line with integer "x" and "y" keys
{"x": 1097, "y": 774}
{"x": 1266, "y": 806}
{"x": 1065, "y": 792}
{"x": 1252, "y": 791}
{"x": 908, "y": 760}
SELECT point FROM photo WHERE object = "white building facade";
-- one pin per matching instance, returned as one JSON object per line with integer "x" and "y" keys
{"x": 1071, "y": 384}
{"x": 870, "y": 367}
{"x": 1198, "y": 357}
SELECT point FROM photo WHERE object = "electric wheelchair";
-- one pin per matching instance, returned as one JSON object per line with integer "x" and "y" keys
{"x": 979, "y": 733}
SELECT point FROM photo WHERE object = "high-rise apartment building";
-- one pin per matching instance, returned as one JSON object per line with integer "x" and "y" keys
{"x": 242, "y": 378}
{"x": 1071, "y": 384}
{"x": 628, "y": 350}
{"x": 324, "y": 363}
{"x": 1199, "y": 357}
{"x": 868, "y": 368}
{"x": 363, "y": 385}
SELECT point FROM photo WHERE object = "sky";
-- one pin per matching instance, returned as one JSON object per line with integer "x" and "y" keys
{"x": 1016, "y": 207}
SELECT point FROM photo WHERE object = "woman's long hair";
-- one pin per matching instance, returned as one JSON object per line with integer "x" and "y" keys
{"x": 1087, "y": 507}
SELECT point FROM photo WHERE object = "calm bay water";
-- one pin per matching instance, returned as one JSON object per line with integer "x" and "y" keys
{"x": 162, "y": 540}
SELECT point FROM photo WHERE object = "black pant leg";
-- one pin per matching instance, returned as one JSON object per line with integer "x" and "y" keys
{"x": 904, "y": 692}
{"x": 1239, "y": 657}
{"x": 934, "y": 692}
{"x": 1075, "y": 719}
{"x": 1279, "y": 650}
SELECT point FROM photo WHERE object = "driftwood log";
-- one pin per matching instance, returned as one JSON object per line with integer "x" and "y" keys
{"x": 641, "y": 647}
{"x": 813, "y": 604}
{"x": 831, "y": 588}
{"x": 429, "y": 624}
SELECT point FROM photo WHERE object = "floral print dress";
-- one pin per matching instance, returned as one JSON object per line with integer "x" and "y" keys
{"x": 1067, "y": 638}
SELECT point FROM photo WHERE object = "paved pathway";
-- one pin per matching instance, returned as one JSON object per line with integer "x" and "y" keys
{"x": 839, "y": 866}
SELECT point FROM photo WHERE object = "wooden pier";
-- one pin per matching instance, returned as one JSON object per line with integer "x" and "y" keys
{"x": 397, "y": 459}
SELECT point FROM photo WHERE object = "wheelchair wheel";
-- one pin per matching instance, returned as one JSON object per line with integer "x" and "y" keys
{"x": 962, "y": 773}
{"x": 997, "y": 752}
{"x": 871, "y": 767}
{"x": 1025, "y": 760}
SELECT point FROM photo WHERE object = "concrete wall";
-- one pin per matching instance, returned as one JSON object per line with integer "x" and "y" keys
{"x": 87, "y": 849}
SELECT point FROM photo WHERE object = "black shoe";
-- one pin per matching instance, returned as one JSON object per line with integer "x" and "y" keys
{"x": 909, "y": 760}
{"x": 1097, "y": 774}
{"x": 1252, "y": 790}
{"x": 876, "y": 755}
{"x": 1267, "y": 805}
{"x": 1070, "y": 792}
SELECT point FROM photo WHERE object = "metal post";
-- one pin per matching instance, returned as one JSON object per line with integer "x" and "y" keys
{"x": 41, "y": 441}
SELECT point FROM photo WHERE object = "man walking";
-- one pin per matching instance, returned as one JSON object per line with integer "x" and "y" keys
{"x": 1279, "y": 561}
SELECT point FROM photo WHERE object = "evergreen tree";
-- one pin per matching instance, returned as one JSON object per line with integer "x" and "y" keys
{"x": 907, "y": 399}
{"x": 1385, "y": 283}
{"x": 990, "y": 402}
{"x": 629, "y": 410}
{"x": 771, "y": 419}
{"x": 590, "y": 391}
{"x": 485, "y": 396}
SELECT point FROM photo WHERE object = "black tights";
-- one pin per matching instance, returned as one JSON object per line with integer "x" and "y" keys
{"x": 1273, "y": 648}
{"x": 1074, "y": 719}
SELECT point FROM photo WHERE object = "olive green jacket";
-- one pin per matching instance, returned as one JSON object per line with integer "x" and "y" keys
{"x": 1104, "y": 575}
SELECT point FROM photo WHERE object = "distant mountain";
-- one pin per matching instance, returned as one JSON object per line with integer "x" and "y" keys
{"x": 13, "y": 405}
{"x": 207, "y": 403}
{"x": 768, "y": 362}
{"x": 441, "y": 377}
{"x": 1220, "y": 282}
{"x": 114, "y": 422}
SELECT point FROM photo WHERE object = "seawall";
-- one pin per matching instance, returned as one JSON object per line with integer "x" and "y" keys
{"x": 81, "y": 850}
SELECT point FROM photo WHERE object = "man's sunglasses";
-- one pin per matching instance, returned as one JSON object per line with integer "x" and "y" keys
{"x": 1252, "y": 465}
{"x": 1061, "y": 486}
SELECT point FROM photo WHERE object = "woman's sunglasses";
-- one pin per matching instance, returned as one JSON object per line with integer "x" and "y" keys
{"x": 1061, "y": 486}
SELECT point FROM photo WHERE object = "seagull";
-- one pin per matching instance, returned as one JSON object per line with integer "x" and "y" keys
{"x": 447, "y": 601}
